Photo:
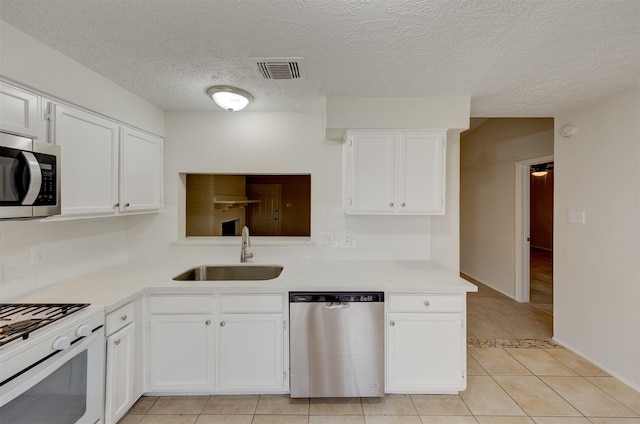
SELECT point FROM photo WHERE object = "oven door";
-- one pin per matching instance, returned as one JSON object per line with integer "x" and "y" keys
{"x": 67, "y": 388}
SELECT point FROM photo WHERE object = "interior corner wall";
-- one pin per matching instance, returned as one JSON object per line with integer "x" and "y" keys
{"x": 597, "y": 264}
{"x": 487, "y": 194}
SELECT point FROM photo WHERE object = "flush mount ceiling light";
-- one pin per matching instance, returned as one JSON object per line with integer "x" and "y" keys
{"x": 541, "y": 169}
{"x": 230, "y": 98}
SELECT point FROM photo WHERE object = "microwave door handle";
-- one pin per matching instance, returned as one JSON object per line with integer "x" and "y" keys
{"x": 35, "y": 180}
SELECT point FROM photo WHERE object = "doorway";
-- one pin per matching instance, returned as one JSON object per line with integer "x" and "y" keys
{"x": 264, "y": 217}
{"x": 534, "y": 232}
{"x": 541, "y": 235}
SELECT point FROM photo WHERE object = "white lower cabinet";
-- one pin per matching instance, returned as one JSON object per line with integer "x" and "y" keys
{"x": 121, "y": 363}
{"x": 250, "y": 352}
{"x": 120, "y": 357}
{"x": 426, "y": 344}
{"x": 180, "y": 343}
{"x": 181, "y": 353}
{"x": 238, "y": 346}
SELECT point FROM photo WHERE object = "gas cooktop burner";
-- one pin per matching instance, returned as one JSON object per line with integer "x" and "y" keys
{"x": 18, "y": 320}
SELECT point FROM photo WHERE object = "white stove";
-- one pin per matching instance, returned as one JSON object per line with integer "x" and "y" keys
{"x": 51, "y": 363}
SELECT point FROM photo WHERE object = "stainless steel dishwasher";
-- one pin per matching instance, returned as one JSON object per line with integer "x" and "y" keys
{"x": 336, "y": 344}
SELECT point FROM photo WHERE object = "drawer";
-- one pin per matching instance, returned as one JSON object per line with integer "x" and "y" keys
{"x": 425, "y": 303}
{"x": 181, "y": 304}
{"x": 119, "y": 318}
{"x": 230, "y": 303}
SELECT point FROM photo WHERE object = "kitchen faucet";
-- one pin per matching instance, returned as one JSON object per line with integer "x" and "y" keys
{"x": 246, "y": 242}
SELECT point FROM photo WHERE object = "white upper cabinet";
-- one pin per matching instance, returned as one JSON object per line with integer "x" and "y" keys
{"x": 140, "y": 171}
{"x": 107, "y": 168}
{"x": 395, "y": 172}
{"x": 89, "y": 154}
{"x": 21, "y": 112}
{"x": 371, "y": 172}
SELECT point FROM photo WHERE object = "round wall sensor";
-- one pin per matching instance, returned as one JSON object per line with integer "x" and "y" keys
{"x": 568, "y": 130}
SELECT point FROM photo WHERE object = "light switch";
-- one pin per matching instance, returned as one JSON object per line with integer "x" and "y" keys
{"x": 576, "y": 217}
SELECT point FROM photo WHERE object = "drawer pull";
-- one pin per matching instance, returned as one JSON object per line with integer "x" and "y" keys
{"x": 117, "y": 342}
{"x": 207, "y": 322}
{"x": 402, "y": 204}
{"x": 222, "y": 324}
{"x": 392, "y": 323}
{"x": 426, "y": 303}
{"x": 124, "y": 317}
{"x": 391, "y": 204}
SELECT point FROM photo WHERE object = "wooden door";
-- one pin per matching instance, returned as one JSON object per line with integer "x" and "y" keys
{"x": 264, "y": 217}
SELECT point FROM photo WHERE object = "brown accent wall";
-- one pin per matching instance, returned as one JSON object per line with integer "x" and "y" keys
{"x": 199, "y": 207}
{"x": 204, "y": 218}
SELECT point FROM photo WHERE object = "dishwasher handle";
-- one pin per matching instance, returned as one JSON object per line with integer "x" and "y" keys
{"x": 337, "y": 305}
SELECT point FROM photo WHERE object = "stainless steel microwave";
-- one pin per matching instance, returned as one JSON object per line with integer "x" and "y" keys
{"x": 29, "y": 178}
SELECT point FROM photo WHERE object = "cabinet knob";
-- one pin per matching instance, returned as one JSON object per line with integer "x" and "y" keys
{"x": 117, "y": 342}
{"x": 391, "y": 204}
{"x": 392, "y": 323}
{"x": 117, "y": 205}
{"x": 402, "y": 204}
{"x": 222, "y": 324}
{"x": 124, "y": 317}
{"x": 126, "y": 205}
{"x": 208, "y": 322}
{"x": 426, "y": 303}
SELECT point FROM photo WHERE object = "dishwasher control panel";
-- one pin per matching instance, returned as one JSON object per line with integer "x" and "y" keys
{"x": 310, "y": 297}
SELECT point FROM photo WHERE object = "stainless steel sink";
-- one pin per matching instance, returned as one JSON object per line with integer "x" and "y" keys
{"x": 230, "y": 273}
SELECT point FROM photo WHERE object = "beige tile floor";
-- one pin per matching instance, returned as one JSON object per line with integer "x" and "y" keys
{"x": 507, "y": 384}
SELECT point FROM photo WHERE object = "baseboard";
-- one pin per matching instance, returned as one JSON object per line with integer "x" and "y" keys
{"x": 472, "y": 278}
{"x": 596, "y": 363}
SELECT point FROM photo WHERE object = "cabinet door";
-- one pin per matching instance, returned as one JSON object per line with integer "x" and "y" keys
{"x": 181, "y": 353}
{"x": 89, "y": 156}
{"x": 250, "y": 352}
{"x": 370, "y": 173}
{"x": 141, "y": 171}
{"x": 21, "y": 112}
{"x": 120, "y": 373}
{"x": 421, "y": 172}
{"x": 425, "y": 353}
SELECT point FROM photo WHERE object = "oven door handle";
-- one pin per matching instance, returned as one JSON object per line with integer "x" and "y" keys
{"x": 35, "y": 178}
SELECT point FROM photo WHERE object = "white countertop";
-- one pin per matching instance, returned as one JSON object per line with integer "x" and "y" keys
{"x": 119, "y": 284}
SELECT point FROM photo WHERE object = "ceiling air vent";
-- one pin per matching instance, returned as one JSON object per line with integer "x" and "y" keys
{"x": 279, "y": 68}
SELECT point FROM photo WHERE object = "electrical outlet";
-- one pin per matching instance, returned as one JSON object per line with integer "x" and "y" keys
{"x": 326, "y": 239}
{"x": 38, "y": 256}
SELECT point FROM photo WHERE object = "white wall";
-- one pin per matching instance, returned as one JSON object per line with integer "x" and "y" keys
{"x": 35, "y": 65}
{"x": 597, "y": 265}
{"x": 70, "y": 248}
{"x": 487, "y": 197}
{"x": 291, "y": 143}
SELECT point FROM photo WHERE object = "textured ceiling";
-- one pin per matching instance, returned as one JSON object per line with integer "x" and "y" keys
{"x": 514, "y": 58}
